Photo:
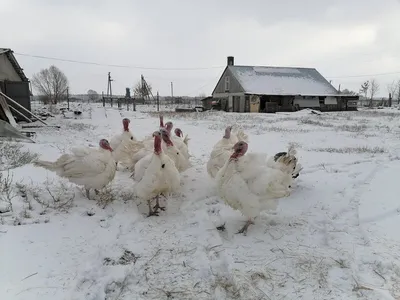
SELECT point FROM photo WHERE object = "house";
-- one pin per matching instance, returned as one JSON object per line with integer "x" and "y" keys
{"x": 272, "y": 89}
{"x": 13, "y": 82}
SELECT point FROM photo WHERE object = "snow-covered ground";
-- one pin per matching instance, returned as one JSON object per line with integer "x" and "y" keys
{"x": 335, "y": 237}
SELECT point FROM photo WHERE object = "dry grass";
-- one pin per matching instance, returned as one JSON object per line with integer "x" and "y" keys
{"x": 79, "y": 126}
{"x": 352, "y": 127}
{"x": 352, "y": 150}
{"x": 105, "y": 197}
{"x": 309, "y": 121}
{"x": 7, "y": 192}
{"x": 13, "y": 155}
{"x": 57, "y": 196}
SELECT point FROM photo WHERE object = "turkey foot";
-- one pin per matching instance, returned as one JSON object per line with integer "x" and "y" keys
{"x": 157, "y": 206}
{"x": 96, "y": 191}
{"x": 245, "y": 227}
{"x": 151, "y": 212}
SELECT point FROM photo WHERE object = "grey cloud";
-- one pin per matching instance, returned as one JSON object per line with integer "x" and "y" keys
{"x": 337, "y": 37}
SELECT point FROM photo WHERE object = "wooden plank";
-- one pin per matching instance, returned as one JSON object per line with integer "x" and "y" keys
{"x": 39, "y": 126}
{"x": 20, "y": 106}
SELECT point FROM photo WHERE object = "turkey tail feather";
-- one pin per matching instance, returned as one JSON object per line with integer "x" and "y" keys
{"x": 51, "y": 166}
{"x": 186, "y": 140}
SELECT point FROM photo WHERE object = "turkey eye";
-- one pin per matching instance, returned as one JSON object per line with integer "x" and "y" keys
{"x": 162, "y": 166}
{"x": 177, "y": 153}
{"x": 131, "y": 137}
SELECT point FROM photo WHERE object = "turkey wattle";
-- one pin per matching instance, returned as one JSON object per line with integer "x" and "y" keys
{"x": 88, "y": 167}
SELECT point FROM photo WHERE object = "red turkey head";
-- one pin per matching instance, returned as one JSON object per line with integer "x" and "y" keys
{"x": 104, "y": 144}
{"x": 125, "y": 123}
{"x": 161, "y": 121}
{"x": 166, "y": 137}
{"x": 240, "y": 149}
{"x": 169, "y": 126}
{"x": 157, "y": 142}
{"x": 178, "y": 132}
{"x": 228, "y": 132}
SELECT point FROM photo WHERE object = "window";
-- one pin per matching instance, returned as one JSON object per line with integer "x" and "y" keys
{"x": 227, "y": 83}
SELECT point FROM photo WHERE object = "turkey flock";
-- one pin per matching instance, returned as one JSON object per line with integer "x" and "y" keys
{"x": 248, "y": 182}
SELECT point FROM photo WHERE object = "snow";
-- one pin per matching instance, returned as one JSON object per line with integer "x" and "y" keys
{"x": 282, "y": 81}
{"x": 334, "y": 237}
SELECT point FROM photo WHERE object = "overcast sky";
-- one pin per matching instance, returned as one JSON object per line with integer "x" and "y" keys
{"x": 340, "y": 38}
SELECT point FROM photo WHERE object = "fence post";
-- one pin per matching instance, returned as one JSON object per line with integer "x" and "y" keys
{"x": 158, "y": 102}
{"x": 68, "y": 97}
{"x": 104, "y": 100}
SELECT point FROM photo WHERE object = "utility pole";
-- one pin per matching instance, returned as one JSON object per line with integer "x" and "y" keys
{"x": 158, "y": 102}
{"x": 68, "y": 97}
{"x": 172, "y": 92}
{"x": 109, "y": 88}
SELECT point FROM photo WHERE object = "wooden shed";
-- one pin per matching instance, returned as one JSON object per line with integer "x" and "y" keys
{"x": 13, "y": 81}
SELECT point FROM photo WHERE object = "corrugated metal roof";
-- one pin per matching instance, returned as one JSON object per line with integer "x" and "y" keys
{"x": 282, "y": 81}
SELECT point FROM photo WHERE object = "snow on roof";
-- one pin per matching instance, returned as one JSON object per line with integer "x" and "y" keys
{"x": 282, "y": 81}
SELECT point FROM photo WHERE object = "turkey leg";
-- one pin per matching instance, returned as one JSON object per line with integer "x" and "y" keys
{"x": 88, "y": 194}
{"x": 151, "y": 212}
{"x": 246, "y": 226}
{"x": 157, "y": 206}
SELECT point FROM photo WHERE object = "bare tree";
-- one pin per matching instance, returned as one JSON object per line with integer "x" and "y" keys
{"x": 364, "y": 88}
{"x": 397, "y": 94}
{"x": 373, "y": 90}
{"x": 392, "y": 88}
{"x": 93, "y": 95}
{"x": 51, "y": 83}
{"x": 348, "y": 92}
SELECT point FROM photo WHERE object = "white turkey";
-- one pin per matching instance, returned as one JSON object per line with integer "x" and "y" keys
{"x": 88, "y": 167}
{"x": 181, "y": 162}
{"x": 125, "y": 135}
{"x": 286, "y": 162}
{"x": 179, "y": 133}
{"x": 180, "y": 144}
{"x": 222, "y": 150}
{"x": 156, "y": 175}
{"x": 246, "y": 185}
{"x": 130, "y": 152}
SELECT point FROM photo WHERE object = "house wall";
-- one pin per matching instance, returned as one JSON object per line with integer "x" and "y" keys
{"x": 7, "y": 71}
{"x": 238, "y": 103}
{"x": 234, "y": 85}
{"x": 20, "y": 93}
{"x": 306, "y": 102}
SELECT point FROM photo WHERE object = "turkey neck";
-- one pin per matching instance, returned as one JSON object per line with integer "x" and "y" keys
{"x": 168, "y": 141}
{"x": 157, "y": 145}
{"x": 227, "y": 134}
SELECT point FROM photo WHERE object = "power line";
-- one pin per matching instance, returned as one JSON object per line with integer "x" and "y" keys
{"x": 364, "y": 75}
{"x": 117, "y": 66}
{"x": 179, "y": 69}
